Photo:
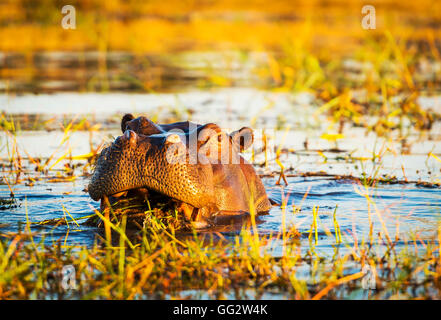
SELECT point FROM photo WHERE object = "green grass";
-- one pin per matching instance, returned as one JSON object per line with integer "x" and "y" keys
{"x": 162, "y": 264}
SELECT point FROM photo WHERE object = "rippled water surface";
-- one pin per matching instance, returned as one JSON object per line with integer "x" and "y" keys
{"x": 405, "y": 211}
{"x": 415, "y": 210}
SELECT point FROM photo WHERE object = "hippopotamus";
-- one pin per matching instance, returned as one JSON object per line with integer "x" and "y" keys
{"x": 198, "y": 166}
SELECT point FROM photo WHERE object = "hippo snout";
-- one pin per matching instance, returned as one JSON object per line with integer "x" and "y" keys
{"x": 156, "y": 162}
{"x": 162, "y": 158}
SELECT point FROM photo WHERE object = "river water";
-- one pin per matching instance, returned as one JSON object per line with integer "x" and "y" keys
{"x": 401, "y": 210}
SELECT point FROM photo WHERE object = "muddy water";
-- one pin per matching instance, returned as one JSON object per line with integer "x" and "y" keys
{"x": 401, "y": 210}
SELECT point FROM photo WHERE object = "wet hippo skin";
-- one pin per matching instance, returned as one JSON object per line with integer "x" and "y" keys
{"x": 198, "y": 166}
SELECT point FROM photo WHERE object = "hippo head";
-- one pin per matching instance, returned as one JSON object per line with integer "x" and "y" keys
{"x": 161, "y": 158}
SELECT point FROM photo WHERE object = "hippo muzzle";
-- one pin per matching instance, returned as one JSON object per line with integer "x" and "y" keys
{"x": 135, "y": 161}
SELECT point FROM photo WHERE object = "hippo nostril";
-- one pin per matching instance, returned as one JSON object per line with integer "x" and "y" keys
{"x": 117, "y": 141}
{"x": 130, "y": 136}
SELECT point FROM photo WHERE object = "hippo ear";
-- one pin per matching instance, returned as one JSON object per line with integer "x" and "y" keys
{"x": 243, "y": 138}
{"x": 127, "y": 117}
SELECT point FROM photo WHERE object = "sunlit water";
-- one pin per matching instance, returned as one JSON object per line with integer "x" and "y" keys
{"x": 401, "y": 210}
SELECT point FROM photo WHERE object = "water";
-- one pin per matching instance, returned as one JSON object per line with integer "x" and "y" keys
{"x": 402, "y": 210}
{"x": 415, "y": 209}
